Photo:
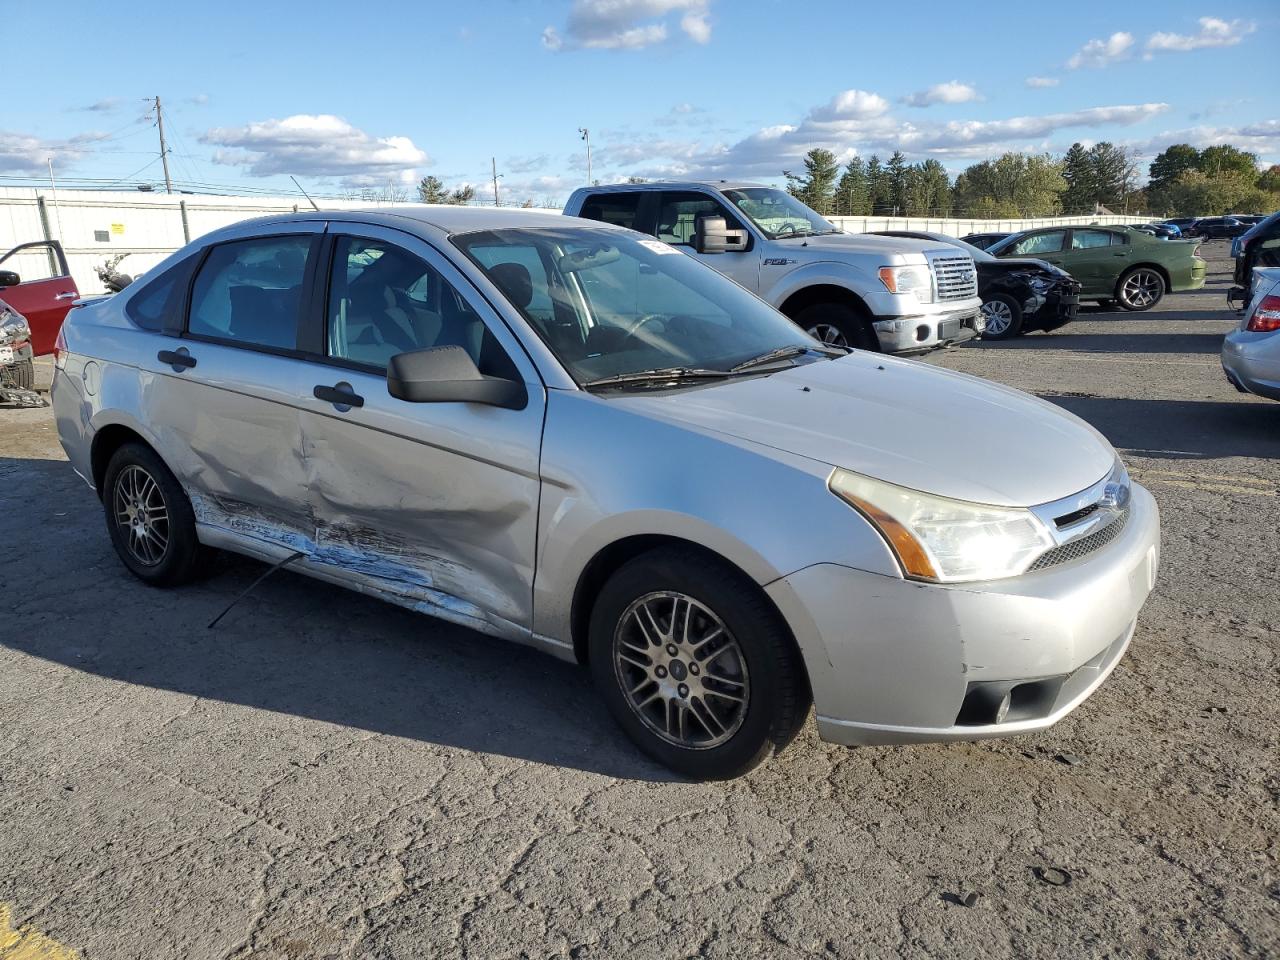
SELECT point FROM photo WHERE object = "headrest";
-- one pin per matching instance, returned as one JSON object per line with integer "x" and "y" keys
{"x": 513, "y": 279}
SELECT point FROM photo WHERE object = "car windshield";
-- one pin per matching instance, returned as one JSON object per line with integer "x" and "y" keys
{"x": 778, "y": 214}
{"x": 610, "y": 303}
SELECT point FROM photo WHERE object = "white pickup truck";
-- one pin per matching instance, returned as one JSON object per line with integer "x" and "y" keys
{"x": 847, "y": 289}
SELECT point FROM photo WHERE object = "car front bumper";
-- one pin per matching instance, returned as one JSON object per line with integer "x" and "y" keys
{"x": 1058, "y": 306}
{"x": 919, "y": 332}
{"x": 894, "y": 661}
{"x": 1251, "y": 362}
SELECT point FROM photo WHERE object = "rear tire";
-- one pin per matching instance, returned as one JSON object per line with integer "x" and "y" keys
{"x": 1140, "y": 289}
{"x": 733, "y": 693}
{"x": 838, "y": 325}
{"x": 149, "y": 518}
{"x": 1004, "y": 317}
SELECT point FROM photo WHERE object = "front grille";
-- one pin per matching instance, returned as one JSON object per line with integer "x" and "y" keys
{"x": 1077, "y": 549}
{"x": 956, "y": 277}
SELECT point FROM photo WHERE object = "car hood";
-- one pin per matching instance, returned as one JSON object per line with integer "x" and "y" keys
{"x": 837, "y": 244}
{"x": 903, "y": 422}
{"x": 1020, "y": 265}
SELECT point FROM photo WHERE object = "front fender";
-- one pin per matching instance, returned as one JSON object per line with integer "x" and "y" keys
{"x": 779, "y": 283}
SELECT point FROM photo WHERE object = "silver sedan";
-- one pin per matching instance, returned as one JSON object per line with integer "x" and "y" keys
{"x": 1251, "y": 352}
{"x": 572, "y": 436}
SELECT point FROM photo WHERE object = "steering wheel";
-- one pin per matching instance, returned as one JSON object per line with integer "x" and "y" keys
{"x": 643, "y": 321}
{"x": 785, "y": 228}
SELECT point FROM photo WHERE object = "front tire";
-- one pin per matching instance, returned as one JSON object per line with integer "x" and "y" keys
{"x": 1140, "y": 289}
{"x": 149, "y": 518}
{"x": 1004, "y": 317}
{"x": 695, "y": 664}
{"x": 23, "y": 375}
{"x": 838, "y": 325}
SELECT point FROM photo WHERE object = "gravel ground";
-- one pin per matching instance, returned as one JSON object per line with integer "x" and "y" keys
{"x": 326, "y": 776}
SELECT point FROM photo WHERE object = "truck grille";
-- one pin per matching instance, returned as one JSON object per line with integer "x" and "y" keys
{"x": 956, "y": 277}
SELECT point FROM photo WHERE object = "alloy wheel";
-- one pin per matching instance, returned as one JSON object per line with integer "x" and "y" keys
{"x": 142, "y": 515}
{"x": 681, "y": 670}
{"x": 1142, "y": 288}
{"x": 998, "y": 316}
{"x": 829, "y": 334}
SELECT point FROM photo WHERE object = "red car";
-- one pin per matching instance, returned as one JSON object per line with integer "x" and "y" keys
{"x": 44, "y": 294}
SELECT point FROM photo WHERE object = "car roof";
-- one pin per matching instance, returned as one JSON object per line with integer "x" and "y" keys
{"x": 674, "y": 185}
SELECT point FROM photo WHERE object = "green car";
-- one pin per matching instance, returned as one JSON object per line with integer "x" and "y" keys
{"x": 1112, "y": 263}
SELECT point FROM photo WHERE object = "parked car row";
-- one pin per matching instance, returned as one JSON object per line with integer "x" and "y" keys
{"x": 571, "y": 435}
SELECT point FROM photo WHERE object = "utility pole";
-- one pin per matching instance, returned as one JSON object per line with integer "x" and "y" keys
{"x": 164, "y": 149}
{"x": 494, "y": 162}
{"x": 586, "y": 135}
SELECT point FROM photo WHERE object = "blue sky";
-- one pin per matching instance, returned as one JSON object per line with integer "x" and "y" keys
{"x": 347, "y": 97}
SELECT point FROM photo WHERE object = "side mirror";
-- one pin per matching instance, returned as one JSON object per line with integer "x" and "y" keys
{"x": 449, "y": 375}
{"x": 712, "y": 235}
{"x": 9, "y": 279}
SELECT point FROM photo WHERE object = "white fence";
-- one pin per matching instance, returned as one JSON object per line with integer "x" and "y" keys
{"x": 93, "y": 226}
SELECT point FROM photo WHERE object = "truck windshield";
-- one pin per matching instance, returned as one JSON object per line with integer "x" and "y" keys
{"x": 778, "y": 214}
{"x": 610, "y": 303}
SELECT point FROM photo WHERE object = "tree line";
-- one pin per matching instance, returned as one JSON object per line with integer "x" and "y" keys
{"x": 1183, "y": 181}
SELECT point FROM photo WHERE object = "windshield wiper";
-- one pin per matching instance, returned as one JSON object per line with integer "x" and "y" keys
{"x": 657, "y": 375}
{"x": 784, "y": 353}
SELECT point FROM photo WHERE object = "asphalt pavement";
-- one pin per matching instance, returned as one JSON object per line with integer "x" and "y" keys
{"x": 325, "y": 776}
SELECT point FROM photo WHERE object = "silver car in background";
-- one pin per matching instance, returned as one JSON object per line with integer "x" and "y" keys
{"x": 1251, "y": 352}
{"x": 570, "y": 435}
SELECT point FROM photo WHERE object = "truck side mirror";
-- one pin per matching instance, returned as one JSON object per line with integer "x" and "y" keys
{"x": 9, "y": 279}
{"x": 712, "y": 235}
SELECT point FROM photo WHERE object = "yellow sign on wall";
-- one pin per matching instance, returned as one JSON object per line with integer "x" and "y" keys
{"x": 117, "y": 229}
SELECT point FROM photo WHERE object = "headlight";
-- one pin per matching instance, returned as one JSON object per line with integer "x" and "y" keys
{"x": 944, "y": 540}
{"x": 913, "y": 279}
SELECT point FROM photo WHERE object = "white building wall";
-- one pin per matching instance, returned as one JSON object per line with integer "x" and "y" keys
{"x": 149, "y": 226}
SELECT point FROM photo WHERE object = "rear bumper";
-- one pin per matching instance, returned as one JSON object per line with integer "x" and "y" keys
{"x": 896, "y": 661}
{"x": 1251, "y": 361}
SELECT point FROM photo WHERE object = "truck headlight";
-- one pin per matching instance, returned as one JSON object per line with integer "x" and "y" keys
{"x": 911, "y": 279}
{"x": 13, "y": 325}
{"x": 943, "y": 540}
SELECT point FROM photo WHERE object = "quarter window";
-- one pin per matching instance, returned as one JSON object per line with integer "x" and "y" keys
{"x": 146, "y": 308}
{"x": 249, "y": 291}
{"x": 1037, "y": 243}
{"x": 1087, "y": 239}
{"x": 383, "y": 300}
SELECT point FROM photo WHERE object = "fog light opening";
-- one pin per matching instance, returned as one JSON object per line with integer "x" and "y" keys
{"x": 922, "y": 333}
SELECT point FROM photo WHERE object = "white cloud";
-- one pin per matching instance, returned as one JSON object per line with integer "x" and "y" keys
{"x": 1039, "y": 83}
{"x": 105, "y": 105}
{"x": 27, "y": 155}
{"x": 527, "y": 164}
{"x": 850, "y": 105}
{"x": 1212, "y": 33}
{"x": 953, "y": 92}
{"x": 628, "y": 24}
{"x": 1099, "y": 53}
{"x": 317, "y": 146}
{"x": 1262, "y": 138}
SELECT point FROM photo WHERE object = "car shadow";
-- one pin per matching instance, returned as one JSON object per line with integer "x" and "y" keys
{"x": 1180, "y": 429}
{"x": 1136, "y": 342}
{"x": 293, "y": 646}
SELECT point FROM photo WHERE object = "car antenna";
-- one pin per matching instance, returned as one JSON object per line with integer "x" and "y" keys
{"x": 304, "y": 193}
{"x": 249, "y": 589}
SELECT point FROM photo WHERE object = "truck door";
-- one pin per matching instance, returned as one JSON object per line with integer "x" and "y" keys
{"x": 677, "y": 213}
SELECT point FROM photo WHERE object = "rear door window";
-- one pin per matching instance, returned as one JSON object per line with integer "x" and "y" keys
{"x": 1086, "y": 239}
{"x": 620, "y": 209}
{"x": 249, "y": 292}
{"x": 678, "y": 214}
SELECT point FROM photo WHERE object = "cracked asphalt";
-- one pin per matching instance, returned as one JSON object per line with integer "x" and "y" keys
{"x": 327, "y": 776}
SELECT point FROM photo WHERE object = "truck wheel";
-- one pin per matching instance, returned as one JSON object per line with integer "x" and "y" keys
{"x": 838, "y": 325}
{"x": 1004, "y": 317}
{"x": 695, "y": 664}
{"x": 149, "y": 518}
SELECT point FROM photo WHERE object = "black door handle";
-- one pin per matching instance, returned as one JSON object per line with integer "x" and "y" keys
{"x": 341, "y": 395}
{"x": 177, "y": 358}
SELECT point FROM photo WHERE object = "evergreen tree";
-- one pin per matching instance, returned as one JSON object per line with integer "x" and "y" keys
{"x": 852, "y": 198}
{"x": 877, "y": 186}
{"x": 817, "y": 186}
{"x": 896, "y": 173}
{"x": 1080, "y": 194}
{"x": 1113, "y": 173}
{"x": 432, "y": 190}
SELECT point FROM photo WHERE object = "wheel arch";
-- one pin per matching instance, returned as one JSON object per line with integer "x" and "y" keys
{"x": 818, "y": 293}
{"x": 1145, "y": 264}
{"x": 106, "y": 441}
{"x": 612, "y": 557}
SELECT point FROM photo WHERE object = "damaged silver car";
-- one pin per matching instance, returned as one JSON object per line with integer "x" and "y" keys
{"x": 570, "y": 435}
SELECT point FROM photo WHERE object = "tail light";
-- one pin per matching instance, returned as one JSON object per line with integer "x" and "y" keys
{"x": 1196, "y": 251}
{"x": 60, "y": 351}
{"x": 1266, "y": 316}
